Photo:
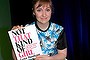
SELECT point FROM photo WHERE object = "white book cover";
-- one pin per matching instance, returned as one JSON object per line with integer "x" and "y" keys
{"x": 25, "y": 42}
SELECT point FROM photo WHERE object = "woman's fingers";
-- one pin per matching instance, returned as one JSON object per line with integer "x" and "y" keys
{"x": 17, "y": 27}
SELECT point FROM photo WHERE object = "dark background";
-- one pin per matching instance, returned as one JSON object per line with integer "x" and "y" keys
{"x": 74, "y": 15}
{"x": 21, "y": 11}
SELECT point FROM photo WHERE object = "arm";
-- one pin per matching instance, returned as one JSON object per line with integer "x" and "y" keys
{"x": 13, "y": 55}
{"x": 60, "y": 56}
{"x": 62, "y": 47}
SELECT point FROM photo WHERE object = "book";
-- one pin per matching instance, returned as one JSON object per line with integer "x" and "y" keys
{"x": 25, "y": 42}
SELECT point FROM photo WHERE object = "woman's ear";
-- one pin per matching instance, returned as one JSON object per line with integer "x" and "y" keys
{"x": 33, "y": 11}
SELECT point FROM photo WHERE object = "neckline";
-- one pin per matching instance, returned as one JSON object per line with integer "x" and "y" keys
{"x": 41, "y": 29}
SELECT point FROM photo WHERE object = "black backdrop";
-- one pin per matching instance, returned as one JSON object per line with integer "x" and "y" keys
{"x": 74, "y": 15}
{"x": 21, "y": 11}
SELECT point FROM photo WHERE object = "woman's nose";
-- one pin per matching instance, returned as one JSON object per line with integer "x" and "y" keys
{"x": 44, "y": 14}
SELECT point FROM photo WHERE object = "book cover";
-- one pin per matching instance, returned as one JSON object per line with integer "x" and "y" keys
{"x": 25, "y": 42}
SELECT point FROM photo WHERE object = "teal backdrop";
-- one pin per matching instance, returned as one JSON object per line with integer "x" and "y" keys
{"x": 5, "y": 25}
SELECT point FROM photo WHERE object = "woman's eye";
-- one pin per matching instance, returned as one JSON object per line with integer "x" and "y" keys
{"x": 48, "y": 10}
{"x": 38, "y": 10}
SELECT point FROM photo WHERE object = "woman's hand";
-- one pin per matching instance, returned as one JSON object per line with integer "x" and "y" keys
{"x": 43, "y": 57}
{"x": 17, "y": 27}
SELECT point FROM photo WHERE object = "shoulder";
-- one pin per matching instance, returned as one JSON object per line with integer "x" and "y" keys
{"x": 57, "y": 27}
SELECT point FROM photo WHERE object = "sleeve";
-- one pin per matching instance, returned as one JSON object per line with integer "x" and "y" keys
{"x": 62, "y": 44}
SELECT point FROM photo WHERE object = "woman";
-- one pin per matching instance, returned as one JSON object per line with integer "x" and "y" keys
{"x": 51, "y": 35}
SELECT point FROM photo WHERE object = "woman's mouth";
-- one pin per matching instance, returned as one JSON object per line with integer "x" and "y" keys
{"x": 44, "y": 18}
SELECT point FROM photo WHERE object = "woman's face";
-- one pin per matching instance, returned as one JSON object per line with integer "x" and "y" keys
{"x": 42, "y": 13}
